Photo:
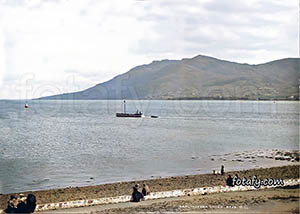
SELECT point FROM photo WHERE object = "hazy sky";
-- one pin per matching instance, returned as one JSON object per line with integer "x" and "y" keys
{"x": 55, "y": 46}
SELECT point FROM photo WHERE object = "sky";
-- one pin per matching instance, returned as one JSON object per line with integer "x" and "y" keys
{"x": 57, "y": 46}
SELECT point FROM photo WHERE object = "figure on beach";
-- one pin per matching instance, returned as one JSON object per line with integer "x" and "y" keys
{"x": 21, "y": 204}
{"x": 146, "y": 189}
{"x": 229, "y": 181}
{"x": 136, "y": 195}
{"x": 222, "y": 170}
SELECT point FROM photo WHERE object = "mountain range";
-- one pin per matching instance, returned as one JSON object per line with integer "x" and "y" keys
{"x": 200, "y": 77}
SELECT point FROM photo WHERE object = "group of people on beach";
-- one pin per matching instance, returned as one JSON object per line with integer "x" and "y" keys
{"x": 229, "y": 180}
{"x": 21, "y": 204}
{"x": 137, "y": 196}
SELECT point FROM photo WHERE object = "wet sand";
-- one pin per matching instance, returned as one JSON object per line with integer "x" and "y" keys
{"x": 156, "y": 185}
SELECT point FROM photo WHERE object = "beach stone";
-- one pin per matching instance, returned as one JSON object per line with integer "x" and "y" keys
{"x": 270, "y": 157}
{"x": 279, "y": 158}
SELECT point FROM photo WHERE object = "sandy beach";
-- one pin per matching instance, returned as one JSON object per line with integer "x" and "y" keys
{"x": 275, "y": 200}
{"x": 156, "y": 185}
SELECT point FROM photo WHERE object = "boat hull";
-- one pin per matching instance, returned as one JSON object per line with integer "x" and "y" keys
{"x": 128, "y": 115}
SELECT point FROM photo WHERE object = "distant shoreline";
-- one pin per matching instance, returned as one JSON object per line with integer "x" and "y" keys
{"x": 168, "y": 99}
{"x": 238, "y": 99}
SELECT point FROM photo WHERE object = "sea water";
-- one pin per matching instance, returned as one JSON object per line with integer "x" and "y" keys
{"x": 59, "y": 143}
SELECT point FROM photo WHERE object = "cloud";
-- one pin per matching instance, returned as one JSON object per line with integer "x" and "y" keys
{"x": 219, "y": 28}
{"x": 93, "y": 41}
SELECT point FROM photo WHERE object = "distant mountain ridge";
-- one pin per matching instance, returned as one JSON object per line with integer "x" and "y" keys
{"x": 200, "y": 77}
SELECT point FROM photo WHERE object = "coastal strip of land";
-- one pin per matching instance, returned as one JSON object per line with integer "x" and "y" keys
{"x": 274, "y": 200}
{"x": 73, "y": 205}
{"x": 156, "y": 185}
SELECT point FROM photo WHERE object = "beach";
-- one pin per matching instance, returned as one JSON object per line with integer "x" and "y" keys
{"x": 275, "y": 200}
{"x": 156, "y": 185}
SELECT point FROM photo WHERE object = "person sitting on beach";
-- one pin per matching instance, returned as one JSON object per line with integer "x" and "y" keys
{"x": 229, "y": 181}
{"x": 30, "y": 203}
{"x": 12, "y": 204}
{"x": 136, "y": 195}
{"x": 146, "y": 189}
{"x": 16, "y": 204}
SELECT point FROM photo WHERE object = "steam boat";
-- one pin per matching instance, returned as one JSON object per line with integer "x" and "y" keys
{"x": 124, "y": 114}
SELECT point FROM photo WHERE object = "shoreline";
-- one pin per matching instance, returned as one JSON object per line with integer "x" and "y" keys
{"x": 177, "y": 99}
{"x": 233, "y": 161}
{"x": 156, "y": 185}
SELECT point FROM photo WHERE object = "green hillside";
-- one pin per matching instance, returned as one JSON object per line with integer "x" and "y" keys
{"x": 200, "y": 77}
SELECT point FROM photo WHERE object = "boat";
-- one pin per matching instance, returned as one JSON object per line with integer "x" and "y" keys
{"x": 154, "y": 116}
{"x": 129, "y": 115}
{"x": 124, "y": 114}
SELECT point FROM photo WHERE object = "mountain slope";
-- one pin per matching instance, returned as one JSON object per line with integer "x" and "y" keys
{"x": 198, "y": 77}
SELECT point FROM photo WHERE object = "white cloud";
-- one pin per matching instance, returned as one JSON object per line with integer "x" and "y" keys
{"x": 2, "y": 58}
{"x": 53, "y": 41}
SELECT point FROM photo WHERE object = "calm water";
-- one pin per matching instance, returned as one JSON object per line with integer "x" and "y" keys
{"x": 65, "y": 143}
